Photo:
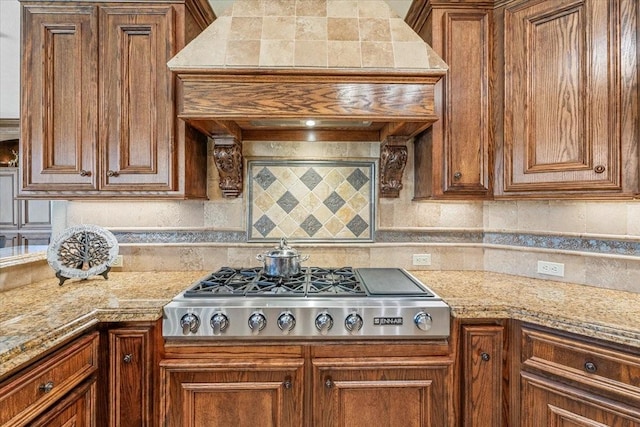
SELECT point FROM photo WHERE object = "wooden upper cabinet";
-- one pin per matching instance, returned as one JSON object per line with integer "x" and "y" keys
{"x": 454, "y": 156}
{"x": 136, "y": 93}
{"x": 59, "y": 91}
{"x": 571, "y": 98}
{"x": 98, "y": 102}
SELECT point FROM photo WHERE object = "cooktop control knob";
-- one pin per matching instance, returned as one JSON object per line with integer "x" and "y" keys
{"x": 324, "y": 322}
{"x": 219, "y": 323}
{"x": 423, "y": 321}
{"x": 189, "y": 323}
{"x": 257, "y": 322}
{"x": 286, "y": 322}
{"x": 353, "y": 323}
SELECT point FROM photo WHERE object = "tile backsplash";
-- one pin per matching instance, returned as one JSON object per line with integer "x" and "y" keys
{"x": 311, "y": 200}
{"x": 599, "y": 242}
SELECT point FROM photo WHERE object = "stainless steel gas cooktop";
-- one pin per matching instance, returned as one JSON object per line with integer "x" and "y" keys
{"x": 316, "y": 303}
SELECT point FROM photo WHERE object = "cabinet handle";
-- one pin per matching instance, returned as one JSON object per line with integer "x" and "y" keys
{"x": 485, "y": 356}
{"x": 85, "y": 173}
{"x": 113, "y": 173}
{"x": 457, "y": 175}
{"x": 46, "y": 387}
{"x": 287, "y": 383}
{"x": 128, "y": 358}
{"x": 599, "y": 169}
{"x": 590, "y": 367}
{"x": 328, "y": 383}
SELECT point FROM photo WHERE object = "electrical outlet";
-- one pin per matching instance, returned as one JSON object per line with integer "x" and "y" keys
{"x": 119, "y": 262}
{"x": 421, "y": 259}
{"x": 551, "y": 268}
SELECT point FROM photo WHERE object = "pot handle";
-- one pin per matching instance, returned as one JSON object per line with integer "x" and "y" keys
{"x": 260, "y": 257}
{"x": 283, "y": 243}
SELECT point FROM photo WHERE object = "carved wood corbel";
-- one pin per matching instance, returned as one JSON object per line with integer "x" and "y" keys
{"x": 227, "y": 153}
{"x": 393, "y": 159}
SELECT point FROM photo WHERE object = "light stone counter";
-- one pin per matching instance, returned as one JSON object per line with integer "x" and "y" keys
{"x": 595, "y": 312}
{"x": 37, "y": 317}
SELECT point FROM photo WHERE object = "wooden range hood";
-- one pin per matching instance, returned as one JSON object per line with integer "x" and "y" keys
{"x": 264, "y": 68}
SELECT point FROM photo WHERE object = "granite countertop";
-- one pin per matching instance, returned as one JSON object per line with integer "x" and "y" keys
{"x": 37, "y": 317}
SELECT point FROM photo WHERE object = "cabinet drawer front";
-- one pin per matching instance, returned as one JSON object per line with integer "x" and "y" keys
{"x": 25, "y": 396}
{"x": 609, "y": 370}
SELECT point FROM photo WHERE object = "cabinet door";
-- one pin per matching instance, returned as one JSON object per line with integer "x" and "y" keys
{"x": 357, "y": 392}
{"x": 550, "y": 403}
{"x": 453, "y": 157}
{"x": 136, "y": 93}
{"x": 59, "y": 92}
{"x": 8, "y": 204}
{"x": 482, "y": 375}
{"x": 130, "y": 377}
{"x": 77, "y": 409}
{"x": 35, "y": 214}
{"x": 204, "y": 393}
{"x": 564, "y": 113}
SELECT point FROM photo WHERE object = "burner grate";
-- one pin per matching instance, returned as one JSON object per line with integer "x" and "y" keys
{"x": 310, "y": 281}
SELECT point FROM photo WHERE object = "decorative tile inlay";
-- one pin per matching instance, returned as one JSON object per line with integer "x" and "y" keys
{"x": 287, "y": 202}
{"x": 334, "y": 202}
{"x": 264, "y": 178}
{"x": 311, "y": 200}
{"x": 357, "y": 179}
{"x": 357, "y": 225}
{"x": 264, "y": 225}
{"x": 311, "y": 179}
{"x": 311, "y": 225}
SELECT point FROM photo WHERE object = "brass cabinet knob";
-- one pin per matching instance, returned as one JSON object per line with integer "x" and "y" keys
{"x": 113, "y": 173}
{"x": 590, "y": 367}
{"x": 128, "y": 358}
{"x": 85, "y": 173}
{"x": 485, "y": 356}
{"x": 599, "y": 169}
{"x": 328, "y": 383}
{"x": 457, "y": 175}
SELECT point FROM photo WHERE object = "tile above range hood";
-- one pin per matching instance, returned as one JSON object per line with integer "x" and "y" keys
{"x": 265, "y": 68}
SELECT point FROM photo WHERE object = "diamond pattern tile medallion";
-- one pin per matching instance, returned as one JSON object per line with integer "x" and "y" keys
{"x": 311, "y": 200}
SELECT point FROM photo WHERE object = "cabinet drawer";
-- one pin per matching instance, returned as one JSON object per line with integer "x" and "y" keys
{"x": 25, "y": 396}
{"x": 612, "y": 371}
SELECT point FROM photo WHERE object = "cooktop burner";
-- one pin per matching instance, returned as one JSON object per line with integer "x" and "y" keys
{"x": 252, "y": 282}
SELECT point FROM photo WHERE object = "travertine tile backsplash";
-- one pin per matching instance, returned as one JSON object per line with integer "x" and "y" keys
{"x": 599, "y": 242}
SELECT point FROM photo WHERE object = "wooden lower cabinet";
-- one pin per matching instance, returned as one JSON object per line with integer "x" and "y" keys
{"x": 312, "y": 384}
{"x": 481, "y": 372}
{"x": 130, "y": 376}
{"x": 570, "y": 380}
{"x": 546, "y": 402}
{"x": 77, "y": 409}
{"x": 381, "y": 392}
{"x": 54, "y": 391}
{"x": 201, "y": 393}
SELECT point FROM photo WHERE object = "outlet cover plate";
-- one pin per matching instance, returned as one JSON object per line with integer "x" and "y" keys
{"x": 421, "y": 259}
{"x": 551, "y": 268}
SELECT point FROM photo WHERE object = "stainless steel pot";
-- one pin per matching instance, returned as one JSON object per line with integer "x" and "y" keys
{"x": 283, "y": 261}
